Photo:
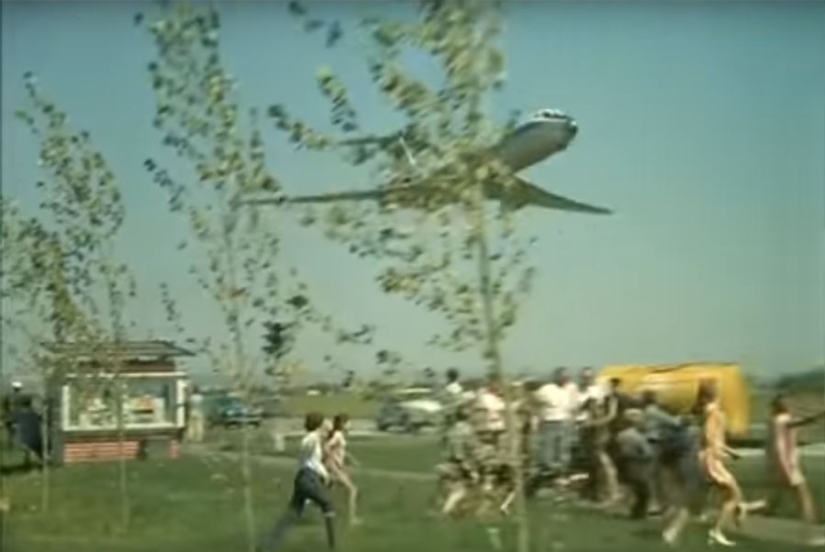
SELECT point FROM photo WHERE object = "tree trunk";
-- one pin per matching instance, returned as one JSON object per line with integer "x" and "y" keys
{"x": 45, "y": 426}
{"x": 121, "y": 438}
{"x": 494, "y": 352}
{"x": 246, "y": 475}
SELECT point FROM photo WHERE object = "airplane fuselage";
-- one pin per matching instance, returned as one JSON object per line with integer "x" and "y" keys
{"x": 548, "y": 132}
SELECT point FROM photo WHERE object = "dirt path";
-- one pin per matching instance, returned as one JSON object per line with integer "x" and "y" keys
{"x": 279, "y": 461}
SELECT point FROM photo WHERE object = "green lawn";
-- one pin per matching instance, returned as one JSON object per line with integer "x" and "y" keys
{"x": 393, "y": 452}
{"x": 196, "y": 504}
{"x": 330, "y": 405}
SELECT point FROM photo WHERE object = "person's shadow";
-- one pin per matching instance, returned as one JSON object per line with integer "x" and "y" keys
{"x": 20, "y": 468}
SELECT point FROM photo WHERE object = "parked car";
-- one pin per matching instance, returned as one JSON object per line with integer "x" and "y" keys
{"x": 409, "y": 410}
{"x": 228, "y": 411}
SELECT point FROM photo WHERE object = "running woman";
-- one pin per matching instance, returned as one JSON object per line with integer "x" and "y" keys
{"x": 783, "y": 462}
{"x": 712, "y": 456}
{"x": 310, "y": 485}
{"x": 336, "y": 457}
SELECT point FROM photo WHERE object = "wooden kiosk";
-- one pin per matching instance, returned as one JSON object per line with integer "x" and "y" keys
{"x": 139, "y": 376}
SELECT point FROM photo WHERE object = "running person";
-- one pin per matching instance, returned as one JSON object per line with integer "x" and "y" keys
{"x": 712, "y": 456}
{"x": 681, "y": 458}
{"x": 783, "y": 460}
{"x": 336, "y": 457}
{"x": 459, "y": 474}
{"x": 309, "y": 486}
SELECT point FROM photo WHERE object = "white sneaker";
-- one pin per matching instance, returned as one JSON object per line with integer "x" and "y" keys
{"x": 669, "y": 536}
{"x": 716, "y": 537}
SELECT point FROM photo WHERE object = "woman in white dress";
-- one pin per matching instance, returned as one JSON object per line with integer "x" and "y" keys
{"x": 782, "y": 456}
{"x": 336, "y": 457}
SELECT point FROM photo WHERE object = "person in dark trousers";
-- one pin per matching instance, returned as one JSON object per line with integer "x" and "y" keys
{"x": 680, "y": 456}
{"x": 11, "y": 404}
{"x": 310, "y": 485}
{"x": 660, "y": 428}
{"x": 635, "y": 461}
{"x": 28, "y": 431}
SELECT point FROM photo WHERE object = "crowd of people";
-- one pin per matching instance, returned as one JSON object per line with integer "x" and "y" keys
{"x": 603, "y": 443}
{"x": 609, "y": 446}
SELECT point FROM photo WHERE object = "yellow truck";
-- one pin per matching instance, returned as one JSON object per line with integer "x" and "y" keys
{"x": 676, "y": 387}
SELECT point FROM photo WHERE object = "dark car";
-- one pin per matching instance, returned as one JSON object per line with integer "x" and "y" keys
{"x": 229, "y": 411}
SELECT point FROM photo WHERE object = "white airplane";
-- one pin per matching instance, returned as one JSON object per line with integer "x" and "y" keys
{"x": 548, "y": 131}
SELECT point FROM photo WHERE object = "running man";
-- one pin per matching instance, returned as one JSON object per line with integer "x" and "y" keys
{"x": 460, "y": 471}
{"x": 310, "y": 485}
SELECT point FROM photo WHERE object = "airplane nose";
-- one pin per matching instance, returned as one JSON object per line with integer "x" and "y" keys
{"x": 573, "y": 127}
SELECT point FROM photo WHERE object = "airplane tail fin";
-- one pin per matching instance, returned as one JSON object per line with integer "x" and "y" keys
{"x": 525, "y": 194}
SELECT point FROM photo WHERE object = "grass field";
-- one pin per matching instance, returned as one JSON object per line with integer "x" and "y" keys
{"x": 330, "y": 405}
{"x": 195, "y": 504}
{"x": 417, "y": 453}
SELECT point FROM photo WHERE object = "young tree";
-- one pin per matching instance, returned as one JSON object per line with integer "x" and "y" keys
{"x": 199, "y": 114}
{"x": 34, "y": 295}
{"x": 432, "y": 225}
{"x": 63, "y": 273}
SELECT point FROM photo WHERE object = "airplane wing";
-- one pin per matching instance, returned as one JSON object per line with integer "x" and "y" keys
{"x": 320, "y": 198}
{"x": 352, "y": 195}
{"x": 527, "y": 193}
{"x": 523, "y": 195}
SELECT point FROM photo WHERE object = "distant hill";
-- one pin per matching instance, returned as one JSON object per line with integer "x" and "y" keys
{"x": 811, "y": 381}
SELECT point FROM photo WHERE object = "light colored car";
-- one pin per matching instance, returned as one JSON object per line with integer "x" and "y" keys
{"x": 409, "y": 410}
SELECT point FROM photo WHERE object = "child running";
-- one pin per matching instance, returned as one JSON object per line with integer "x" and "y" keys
{"x": 309, "y": 486}
{"x": 336, "y": 457}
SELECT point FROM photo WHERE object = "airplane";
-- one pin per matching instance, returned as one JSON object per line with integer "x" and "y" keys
{"x": 547, "y": 132}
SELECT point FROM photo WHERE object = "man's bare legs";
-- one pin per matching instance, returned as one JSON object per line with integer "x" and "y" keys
{"x": 611, "y": 477}
{"x": 676, "y": 525}
{"x": 457, "y": 492}
{"x": 731, "y": 506}
{"x": 352, "y": 496}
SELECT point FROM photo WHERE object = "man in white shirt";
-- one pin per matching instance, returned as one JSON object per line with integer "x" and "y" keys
{"x": 558, "y": 404}
{"x": 588, "y": 389}
{"x": 492, "y": 406}
{"x": 453, "y": 389}
{"x": 197, "y": 420}
{"x": 452, "y": 397}
{"x": 310, "y": 485}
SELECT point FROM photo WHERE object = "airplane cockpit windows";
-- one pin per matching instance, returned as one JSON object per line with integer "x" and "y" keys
{"x": 548, "y": 115}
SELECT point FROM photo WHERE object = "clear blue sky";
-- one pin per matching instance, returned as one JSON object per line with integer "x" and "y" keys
{"x": 702, "y": 125}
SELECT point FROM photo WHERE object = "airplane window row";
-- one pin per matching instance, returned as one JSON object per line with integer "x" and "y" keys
{"x": 550, "y": 114}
